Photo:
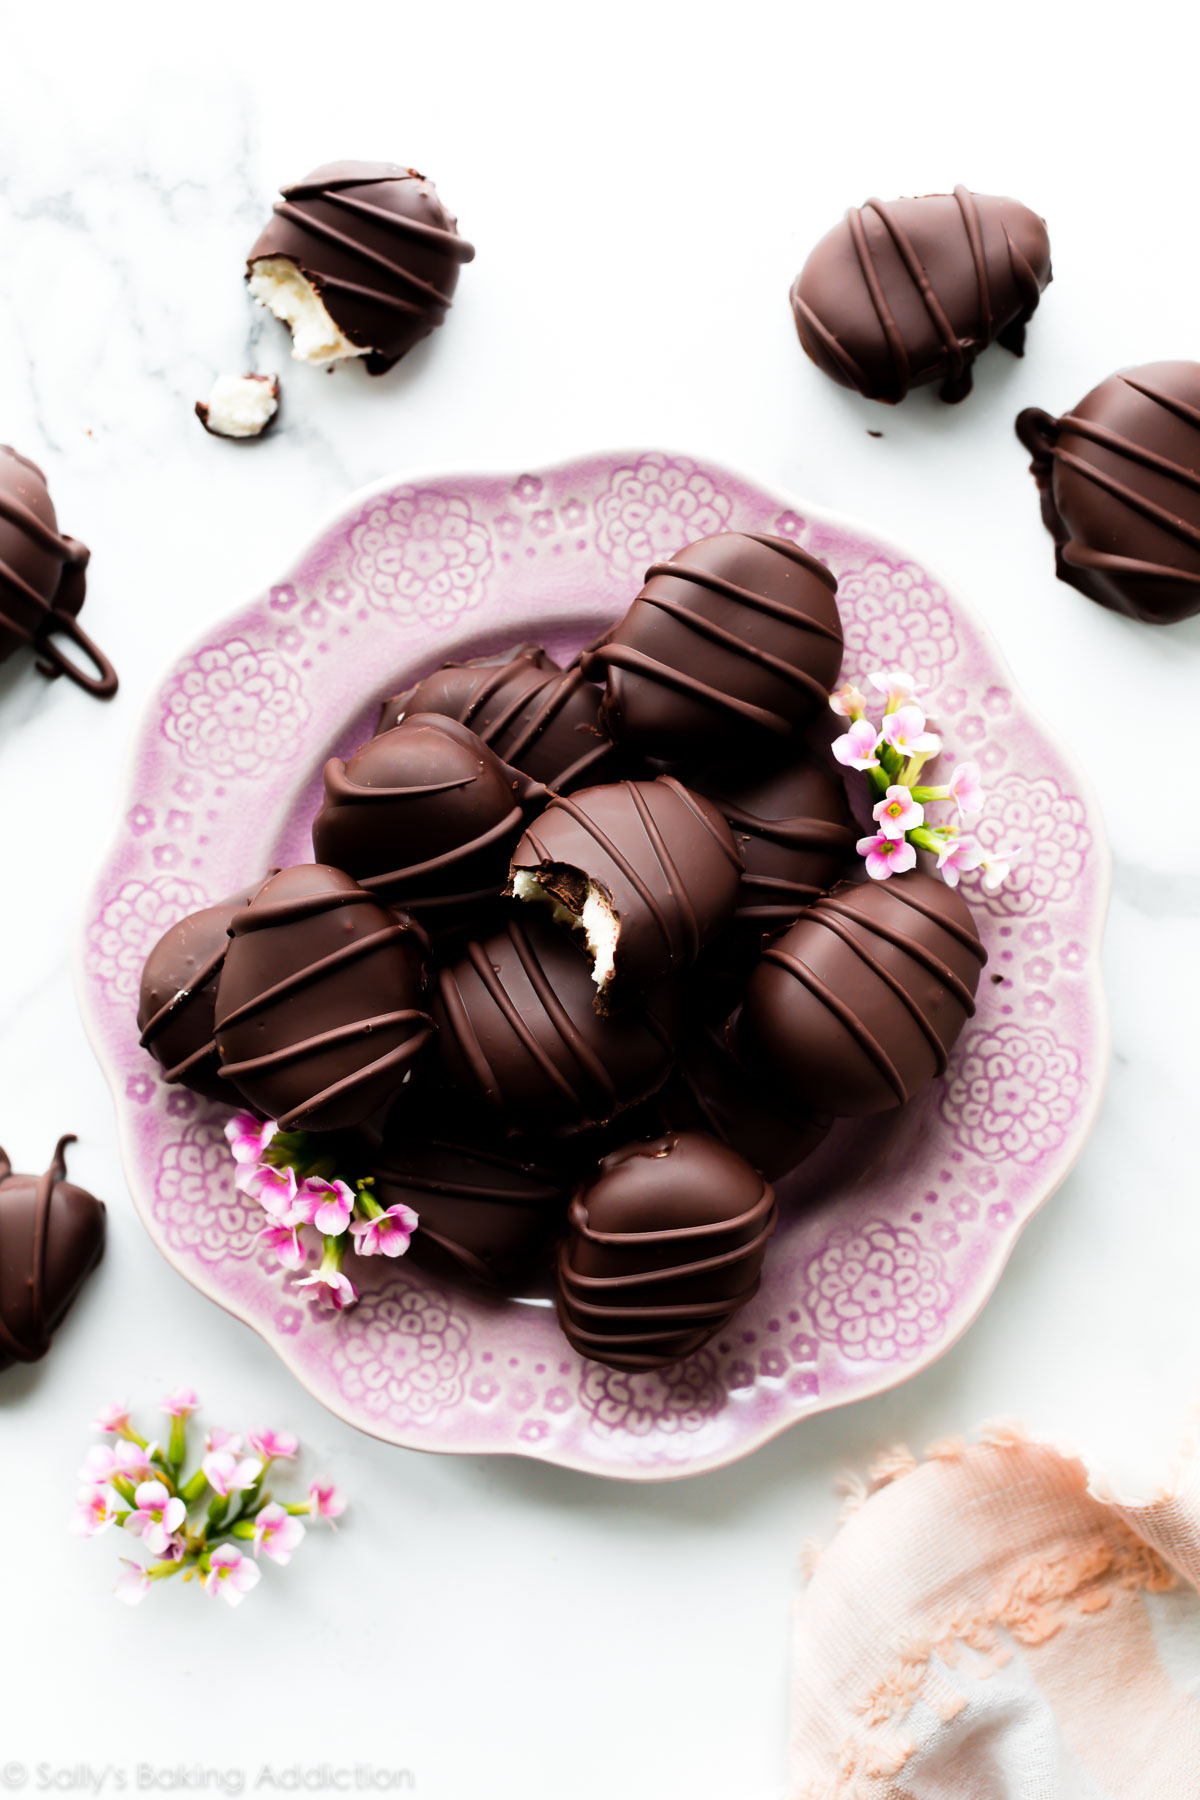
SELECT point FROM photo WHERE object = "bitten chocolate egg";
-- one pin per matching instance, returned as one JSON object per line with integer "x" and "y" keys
{"x": 51, "y": 1238}
{"x": 177, "y": 1006}
{"x": 486, "y": 1212}
{"x": 709, "y": 1091}
{"x": 736, "y": 641}
{"x": 646, "y": 871}
{"x": 43, "y": 580}
{"x": 519, "y": 1037}
{"x": 359, "y": 259}
{"x": 538, "y": 718}
{"x": 666, "y": 1243}
{"x": 860, "y": 1002}
{"x": 907, "y": 292}
{"x": 1120, "y": 485}
{"x": 425, "y": 817}
{"x": 320, "y": 1005}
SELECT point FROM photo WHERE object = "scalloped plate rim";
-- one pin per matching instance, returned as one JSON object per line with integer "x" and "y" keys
{"x": 767, "y": 1432}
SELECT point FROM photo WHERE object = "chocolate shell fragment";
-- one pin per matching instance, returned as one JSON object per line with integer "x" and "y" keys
{"x": 907, "y": 292}
{"x": 43, "y": 581}
{"x": 1120, "y": 485}
{"x": 51, "y": 1238}
{"x": 666, "y": 1244}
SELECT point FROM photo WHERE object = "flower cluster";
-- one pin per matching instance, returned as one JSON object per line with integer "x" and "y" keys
{"x": 294, "y": 1178}
{"x": 211, "y": 1526}
{"x": 892, "y": 756}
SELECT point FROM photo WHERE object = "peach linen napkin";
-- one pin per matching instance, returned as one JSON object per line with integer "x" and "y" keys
{"x": 995, "y": 1624}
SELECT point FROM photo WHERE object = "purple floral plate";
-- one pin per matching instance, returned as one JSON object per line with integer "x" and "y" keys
{"x": 891, "y": 1240}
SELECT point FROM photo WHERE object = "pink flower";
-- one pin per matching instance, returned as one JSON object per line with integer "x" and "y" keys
{"x": 135, "y": 1462}
{"x": 226, "y": 1475}
{"x": 333, "y": 1289}
{"x": 112, "y": 1418}
{"x": 272, "y": 1445}
{"x": 248, "y": 1137}
{"x": 388, "y": 1235}
{"x": 132, "y": 1584}
{"x": 898, "y": 812}
{"x": 326, "y": 1501}
{"x": 99, "y": 1465}
{"x": 856, "y": 750}
{"x": 956, "y": 856}
{"x": 905, "y": 731}
{"x": 95, "y": 1510}
{"x": 327, "y": 1205}
{"x": 274, "y": 1189}
{"x": 277, "y": 1533}
{"x": 997, "y": 869}
{"x": 886, "y": 855}
{"x": 181, "y": 1403}
{"x": 965, "y": 789}
{"x": 900, "y": 686}
{"x": 284, "y": 1240}
{"x": 848, "y": 702}
{"x": 158, "y": 1517}
{"x": 231, "y": 1575}
{"x": 220, "y": 1439}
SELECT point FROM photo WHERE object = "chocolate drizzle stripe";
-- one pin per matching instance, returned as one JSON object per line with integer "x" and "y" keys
{"x": 447, "y": 859}
{"x": 730, "y": 590}
{"x": 798, "y": 554}
{"x": 676, "y": 883}
{"x": 512, "y": 1016}
{"x": 1132, "y": 452}
{"x": 393, "y": 1059}
{"x": 791, "y": 834}
{"x": 360, "y": 290}
{"x": 841, "y": 356}
{"x": 636, "y": 662}
{"x": 883, "y": 312}
{"x": 675, "y": 1234}
{"x": 969, "y": 209}
{"x": 1027, "y": 285}
{"x": 1189, "y": 415}
{"x": 919, "y": 277}
{"x": 26, "y": 520}
{"x": 866, "y": 1042}
{"x": 354, "y": 794}
{"x": 731, "y": 640}
{"x": 324, "y": 1040}
{"x": 588, "y": 825}
{"x": 727, "y": 850}
{"x": 920, "y": 953}
{"x": 266, "y": 913}
{"x": 534, "y": 1198}
{"x": 1079, "y": 556}
{"x": 352, "y": 247}
{"x": 962, "y": 933}
{"x": 560, "y": 1019}
{"x": 203, "y": 974}
{"x": 315, "y": 971}
{"x": 908, "y": 1001}
{"x": 575, "y": 1286}
{"x": 419, "y": 230}
{"x": 459, "y": 1019}
{"x": 1158, "y": 515}
{"x": 103, "y": 683}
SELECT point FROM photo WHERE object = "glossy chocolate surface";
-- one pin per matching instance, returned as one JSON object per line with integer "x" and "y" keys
{"x": 177, "y": 1005}
{"x": 51, "y": 1238}
{"x": 43, "y": 581}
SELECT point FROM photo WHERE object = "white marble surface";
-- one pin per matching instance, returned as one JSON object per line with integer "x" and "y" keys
{"x": 642, "y": 182}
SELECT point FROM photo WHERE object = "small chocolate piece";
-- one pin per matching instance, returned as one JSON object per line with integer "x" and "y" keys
{"x": 319, "y": 1015}
{"x": 666, "y": 1244}
{"x": 51, "y": 1238}
{"x": 907, "y": 292}
{"x": 538, "y": 718}
{"x": 1120, "y": 486}
{"x": 424, "y": 817}
{"x": 177, "y": 1007}
{"x": 486, "y": 1212}
{"x": 646, "y": 870}
{"x": 43, "y": 580}
{"x": 793, "y": 829}
{"x": 733, "y": 642}
{"x": 519, "y": 1036}
{"x": 859, "y": 1004}
{"x": 359, "y": 259}
{"x": 240, "y": 406}
{"x": 709, "y": 1091}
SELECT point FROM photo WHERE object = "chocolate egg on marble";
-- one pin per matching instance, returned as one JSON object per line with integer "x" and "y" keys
{"x": 51, "y": 1238}
{"x": 43, "y": 580}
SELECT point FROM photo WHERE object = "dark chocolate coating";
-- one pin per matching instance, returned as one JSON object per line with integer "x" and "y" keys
{"x": 1120, "y": 486}
{"x": 710, "y": 1091}
{"x": 666, "y": 1244}
{"x": 51, "y": 1238}
{"x": 487, "y": 1212}
{"x": 538, "y": 718}
{"x": 177, "y": 1006}
{"x": 664, "y": 860}
{"x": 425, "y": 817}
{"x": 319, "y": 1015}
{"x": 519, "y": 1036}
{"x": 732, "y": 643}
{"x": 380, "y": 248}
{"x": 859, "y": 1004}
{"x": 906, "y": 292}
{"x": 43, "y": 580}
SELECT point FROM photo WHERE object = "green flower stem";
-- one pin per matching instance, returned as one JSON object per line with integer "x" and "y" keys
{"x": 194, "y": 1489}
{"x": 930, "y": 837}
{"x": 926, "y": 794}
{"x": 160, "y": 1571}
{"x": 878, "y": 782}
{"x": 299, "y": 1508}
{"x": 243, "y": 1529}
{"x": 217, "y": 1511}
{"x": 131, "y": 1436}
{"x": 177, "y": 1447}
{"x": 365, "y": 1203}
{"x": 125, "y": 1488}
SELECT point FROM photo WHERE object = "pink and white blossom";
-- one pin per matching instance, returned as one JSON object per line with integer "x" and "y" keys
{"x": 276, "y": 1533}
{"x": 326, "y": 1501}
{"x": 132, "y": 1584}
{"x": 331, "y": 1288}
{"x": 326, "y": 1204}
{"x": 95, "y": 1510}
{"x": 180, "y": 1403}
{"x": 389, "y": 1234}
{"x": 898, "y": 813}
{"x": 100, "y": 1464}
{"x": 905, "y": 731}
{"x": 231, "y": 1575}
{"x": 136, "y": 1461}
{"x": 856, "y": 748}
{"x": 886, "y": 856}
{"x": 274, "y": 1189}
{"x": 284, "y": 1240}
{"x": 273, "y": 1446}
{"x": 248, "y": 1137}
{"x": 158, "y": 1517}
{"x": 227, "y": 1475}
{"x": 112, "y": 1418}
{"x": 901, "y": 686}
{"x": 220, "y": 1439}
{"x": 966, "y": 789}
{"x": 848, "y": 702}
{"x": 996, "y": 869}
{"x": 956, "y": 856}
